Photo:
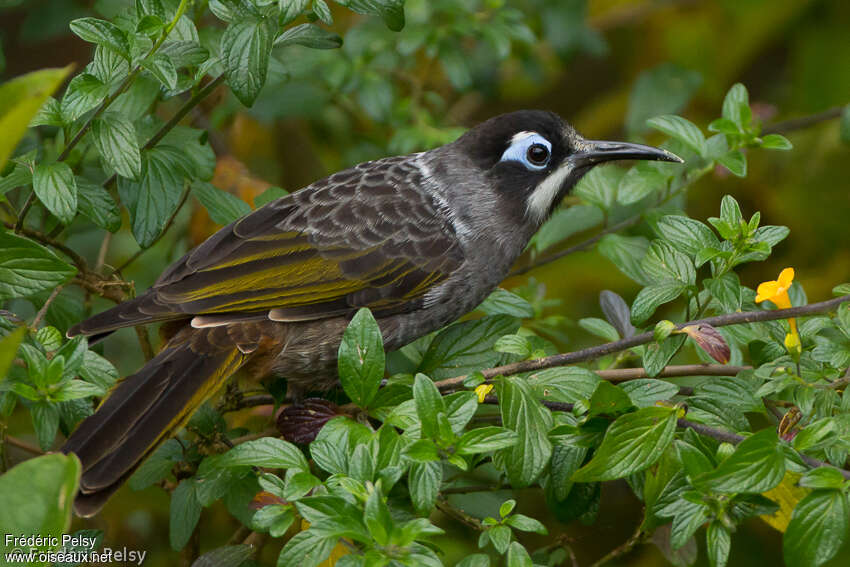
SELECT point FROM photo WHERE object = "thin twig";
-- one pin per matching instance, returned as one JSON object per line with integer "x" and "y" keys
{"x": 15, "y": 442}
{"x": 78, "y": 260}
{"x": 638, "y": 537}
{"x": 145, "y": 342}
{"x": 591, "y": 353}
{"x": 43, "y": 311}
{"x": 626, "y": 374}
{"x": 803, "y": 121}
{"x": 458, "y": 514}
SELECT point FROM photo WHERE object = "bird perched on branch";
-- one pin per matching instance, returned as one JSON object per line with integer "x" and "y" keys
{"x": 418, "y": 239}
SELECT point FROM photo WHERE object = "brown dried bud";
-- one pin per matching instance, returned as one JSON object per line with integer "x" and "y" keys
{"x": 710, "y": 340}
{"x": 300, "y": 423}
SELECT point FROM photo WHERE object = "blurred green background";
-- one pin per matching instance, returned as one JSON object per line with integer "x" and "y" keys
{"x": 605, "y": 65}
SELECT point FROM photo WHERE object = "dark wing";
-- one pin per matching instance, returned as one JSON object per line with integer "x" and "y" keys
{"x": 364, "y": 237}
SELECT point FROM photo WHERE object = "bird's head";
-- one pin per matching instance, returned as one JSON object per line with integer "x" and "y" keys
{"x": 532, "y": 158}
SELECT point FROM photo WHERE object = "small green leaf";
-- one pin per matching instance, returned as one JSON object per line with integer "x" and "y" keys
{"x": 650, "y": 297}
{"x": 513, "y": 344}
{"x": 599, "y": 327}
{"x": 632, "y": 443}
{"x": 424, "y": 480}
{"x": 680, "y": 129}
{"x": 500, "y": 536}
{"x": 776, "y": 142}
{"x": 503, "y": 302}
{"x": 222, "y": 206}
{"x": 55, "y": 186}
{"x": 309, "y": 35}
{"x": 185, "y": 513}
{"x": 735, "y": 161}
{"x": 644, "y": 392}
{"x": 718, "y": 541}
{"x": 84, "y": 93}
{"x": 518, "y": 556}
{"x": 115, "y": 139}
{"x": 818, "y": 528}
{"x": 525, "y": 524}
{"x": 485, "y": 439}
{"x": 757, "y": 465}
{"x": 102, "y": 33}
{"x": 429, "y": 403}
{"x": 245, "y": 48}
{"x": 267, "y": 452}
{"x": 95, "y": 203}
{"x": 522, "y": 413}
{"x": 608, "y": 399}
{"x": 27, "y": 268}
{"x": 823, "y": 477}
{"x": 735, "y": 100}
{"x": 465, "y": 347}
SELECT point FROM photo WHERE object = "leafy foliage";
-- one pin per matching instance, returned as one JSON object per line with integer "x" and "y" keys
{"x": 365, "y": 490}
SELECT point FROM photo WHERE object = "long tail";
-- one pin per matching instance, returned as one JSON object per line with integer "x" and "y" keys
{"x": 143, "y": 410}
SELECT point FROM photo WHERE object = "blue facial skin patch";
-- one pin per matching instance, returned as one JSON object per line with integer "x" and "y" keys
{"x": 518, "y": 150}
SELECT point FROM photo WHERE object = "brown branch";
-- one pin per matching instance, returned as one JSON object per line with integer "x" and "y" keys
{"x": 15, "y": 442}
{"x": 145, "y": 342}
{"x": 625, "y": 374}
{"x": 644, "y": 338}
{"x": 458, "y": 514}
{"x": 803, "y": 121}
{"x": 43, "y": 311}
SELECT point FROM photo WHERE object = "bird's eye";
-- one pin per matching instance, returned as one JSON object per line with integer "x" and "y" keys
{"x": 538, "y": 154}
{"x": 530, "y": 149}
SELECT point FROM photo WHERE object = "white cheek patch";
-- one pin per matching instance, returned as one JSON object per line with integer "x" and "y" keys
{"x": 543, "y": 196}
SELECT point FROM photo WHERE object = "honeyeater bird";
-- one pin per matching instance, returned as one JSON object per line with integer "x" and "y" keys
{"x": 419, "y": 239}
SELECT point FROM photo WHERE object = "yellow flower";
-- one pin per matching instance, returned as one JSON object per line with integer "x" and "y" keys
{"x": 482, "y": 391}
{"x": 777, "y": 292}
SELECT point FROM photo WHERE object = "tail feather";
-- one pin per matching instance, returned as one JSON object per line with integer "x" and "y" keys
{"x": 138, "y": 311}
{"x": 141, "y": 412}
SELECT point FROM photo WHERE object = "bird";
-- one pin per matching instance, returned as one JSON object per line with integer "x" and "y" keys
{"x": 419, "y": 239}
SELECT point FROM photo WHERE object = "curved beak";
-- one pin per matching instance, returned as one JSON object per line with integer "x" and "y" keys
{"x": 598, "y": 151}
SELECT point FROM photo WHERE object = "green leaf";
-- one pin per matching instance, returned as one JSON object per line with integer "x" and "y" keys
{"x": 102, "y": 33}
{"x": 463, "y": 348}
{"x": 663, "y": 262}
{"x": 361, "y": 358}
{"x": 27, "y": 268}
{"x": 513, "y": 344}
{"x": 267, "y": 452}
{"x": 475, "y": 560}
{"x": 309, "y": 35}
{"x": 55, "y": 186}
{"x": 162, "y": 67}
{"x": 639, "y": 182}
{"x": 377, "y": 518}
{"x": 680, "y": 129}
{"x": 20, "y": 100}
{"x": 736, "y": 99}
{"x": 599, "y": 327}
{"x": 84, "y": 93}
{"x": 632, "y": 443}
{"x": 823, "y": 477}
{"x": 305, "y": 549}
{"x": 625, "y": 252}
{"x": 525, "y": 524}
{"x": 95, "y": 203}
{"x": 735, "y": 161}
{"x": 45, "y": 420}
{"x": 518, "y": 556}
{"x": 776, "y": 142}
{"x": 523, "y": 413}
{"x": 185, "y": 513}
{"x": 599, "y": 186}
{"x": 154, "y": 197}
{"x": 245, "y": 49}
{"x": 390, "y": 11}
{"x": 36, "y": 497}
{"x": 650, "y": 297}
{"x": 644, "y": 392}
{"x": 503, "y": 302}
{"x": 685, "y": 234}
{"x": 269, "y": 195}
{"x": 757, "y": 465}
{"x": 115, "y": 138}
{"x": 608, "y": 399}
{"x": 424, "y": 480}
{"x": 222, "y": 206}
{"x": 818, "y": 528}
{"x": 719, "y": 542}
{"x": 429, "y": 403}
{"x": 485, "y": 439}
{"x": 567, "y": 384}
{"x": 158, "y": 466}
{"x": 291, "y": 9}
